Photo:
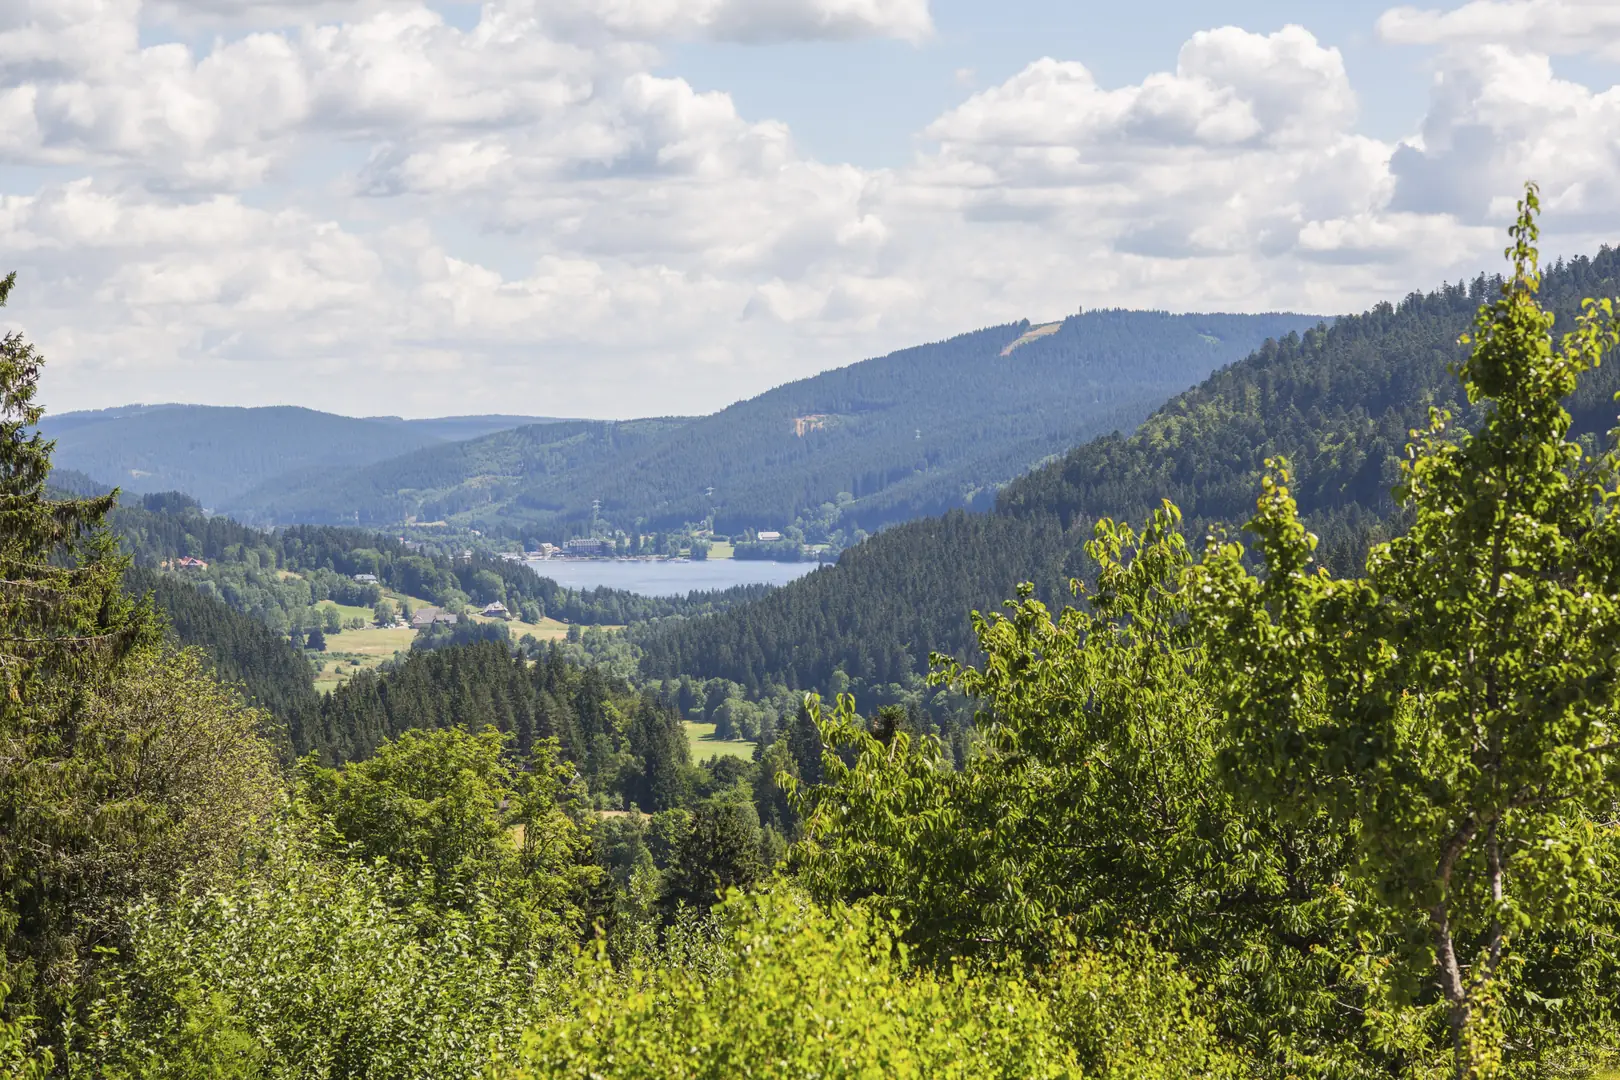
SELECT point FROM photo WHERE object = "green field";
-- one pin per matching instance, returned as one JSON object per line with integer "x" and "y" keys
{"x": 700, "y": 737}
{"x": 347, "y": 611}
{"x": 720, "y": 551}
{"x": 359, "y": 650}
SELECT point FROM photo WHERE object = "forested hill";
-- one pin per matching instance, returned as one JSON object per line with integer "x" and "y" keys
{"x": 916, "y": 432}
{"x": 214, "y": 453}
{"x": 447, "y": 481}
{"x": 1338, "y": 401}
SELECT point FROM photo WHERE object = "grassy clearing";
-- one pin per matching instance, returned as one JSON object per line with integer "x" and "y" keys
{"x": 548, "y": 629}
{"x": 359, "y": 650}
{"x": 700, "y": 737}
{"x": 347, "y": 611}
{"x": 414, "y": 601}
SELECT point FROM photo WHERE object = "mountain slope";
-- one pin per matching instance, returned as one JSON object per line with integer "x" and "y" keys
{"x": 443, "y": 481}
{"x": 1338, "y": 401}
{"x": 883, "y": 440}
{"x": 212, "y": 453}
{"x": 457, "y": 428}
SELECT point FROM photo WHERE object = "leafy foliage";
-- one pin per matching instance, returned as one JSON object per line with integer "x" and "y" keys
{"x": 798, "y": 992}
{"x": 307, "y": 967}
{"x": 1454, "y": 709}
{"x": 1091, "y": 811}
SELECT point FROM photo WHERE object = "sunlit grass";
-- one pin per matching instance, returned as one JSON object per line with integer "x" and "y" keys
{"x": 700, "y": 737}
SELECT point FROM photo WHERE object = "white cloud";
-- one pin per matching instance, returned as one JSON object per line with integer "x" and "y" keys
{"x": 1230, "y": 87}
{"x": 1499, "y": 118}
{"x": 366, "y": 206}
{"x": 1549, "y": 26}
{"x": 742, "y": 20}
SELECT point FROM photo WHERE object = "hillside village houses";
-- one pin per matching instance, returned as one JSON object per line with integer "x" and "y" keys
{"x": 426, "y": 616}
{"x": 366, "y": 579}
{"x": 497, "y": 610}
{"x": 769, "y": 537}
{"x": 186, "y": 562}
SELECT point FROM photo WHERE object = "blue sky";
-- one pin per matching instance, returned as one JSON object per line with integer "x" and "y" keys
{"x": 623, "y": 207}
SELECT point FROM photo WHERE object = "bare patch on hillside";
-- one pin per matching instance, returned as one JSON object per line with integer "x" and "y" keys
{"x": 1031, "y": 334}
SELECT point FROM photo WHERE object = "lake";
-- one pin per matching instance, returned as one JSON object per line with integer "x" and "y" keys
{"x": 668, "y": 578}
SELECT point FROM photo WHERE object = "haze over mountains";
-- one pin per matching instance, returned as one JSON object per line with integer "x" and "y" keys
{"x": 885, "y": 440}
{"x": 214, "y": 453}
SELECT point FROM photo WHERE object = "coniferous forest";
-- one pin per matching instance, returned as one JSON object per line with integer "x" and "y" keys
{"x": 1279, "y": 738}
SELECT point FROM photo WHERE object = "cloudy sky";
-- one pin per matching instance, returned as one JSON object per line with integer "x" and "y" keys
{"x": 631, "y": 207}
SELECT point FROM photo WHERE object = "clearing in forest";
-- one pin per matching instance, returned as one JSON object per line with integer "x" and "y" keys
{"x": 1031, "y": 334}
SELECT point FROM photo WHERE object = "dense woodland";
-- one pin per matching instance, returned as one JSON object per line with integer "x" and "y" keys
{"x": 885, "y": 440}
{"x": 1339, "y": 401}
{"x": 1229, "y": 813}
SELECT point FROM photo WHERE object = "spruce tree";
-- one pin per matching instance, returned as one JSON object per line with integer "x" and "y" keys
{"x": 65, "y": 628}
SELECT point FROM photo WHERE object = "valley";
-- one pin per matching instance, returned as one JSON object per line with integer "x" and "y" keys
{"x": 1070, "y": 707}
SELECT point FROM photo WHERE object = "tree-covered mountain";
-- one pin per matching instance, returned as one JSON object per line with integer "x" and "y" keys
{"x": 214, "y": 453}
{"x": 1337, "y": 400}
{"x": 916, "y": 432}
{"x": 447, "y": 481}
{"x": 457, "y": 428}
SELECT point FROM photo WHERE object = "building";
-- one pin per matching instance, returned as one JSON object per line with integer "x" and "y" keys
{"x": 497, "y": 610}
{"x": 769, "y": 537}
{"x": 427, "y": 616}
{"x": 186, "y": 562}
{"x": 588, "y": 545}
{"x": 366, "y": 579}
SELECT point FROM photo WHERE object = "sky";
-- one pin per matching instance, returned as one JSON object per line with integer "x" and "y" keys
{"x": 616, "y": 208}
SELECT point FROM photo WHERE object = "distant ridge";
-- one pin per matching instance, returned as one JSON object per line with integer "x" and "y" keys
{"x": 888, "y": 439}
{"x": 215, "y": 452}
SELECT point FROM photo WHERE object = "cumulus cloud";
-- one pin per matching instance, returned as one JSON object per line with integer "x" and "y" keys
{"x": 365, "y": 205}
{"x": 1229, "y": 88}
{"x": 1242, "y": 146}
{"x": 1549, "y": 26}
{"x": 1499, "y": 118}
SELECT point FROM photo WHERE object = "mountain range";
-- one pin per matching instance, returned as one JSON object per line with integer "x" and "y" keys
{"x": 885, "y": 440}
{"x": 216, "y": 453}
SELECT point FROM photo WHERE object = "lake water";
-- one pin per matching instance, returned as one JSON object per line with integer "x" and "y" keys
{"x": 668, "y": 578}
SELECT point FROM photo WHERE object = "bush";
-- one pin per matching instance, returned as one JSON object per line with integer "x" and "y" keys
{"x": 796, "y": 991}
{"x": 311, "y": 967}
